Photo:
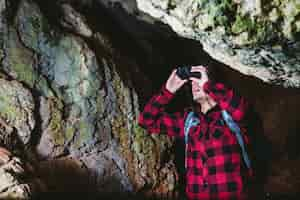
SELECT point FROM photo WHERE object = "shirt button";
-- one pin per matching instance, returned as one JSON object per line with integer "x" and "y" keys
{"x": 205, "y": 184}
{"x": 203, "y": 160}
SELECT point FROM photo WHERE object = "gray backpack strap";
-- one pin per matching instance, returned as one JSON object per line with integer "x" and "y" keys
{"x": 191, "y": 120}
{"x": 237, "y": 131}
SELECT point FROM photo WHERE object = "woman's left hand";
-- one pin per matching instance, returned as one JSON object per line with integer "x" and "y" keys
{"x": 204, "y": 76}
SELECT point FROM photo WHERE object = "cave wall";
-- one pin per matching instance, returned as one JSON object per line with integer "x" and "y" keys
{"x": 68, "y": 94}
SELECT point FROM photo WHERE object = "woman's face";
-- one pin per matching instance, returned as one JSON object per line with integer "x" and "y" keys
{"x": 198, "y": 92}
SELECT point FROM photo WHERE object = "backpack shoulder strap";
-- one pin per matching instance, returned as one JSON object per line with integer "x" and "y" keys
{"x": 191, "y": 120}
{"x": 238, "y": 133}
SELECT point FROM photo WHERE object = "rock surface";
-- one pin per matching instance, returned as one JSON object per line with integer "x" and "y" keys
{"x": 80, "y": 103}
{"x": 17, "y": 110}
{"x": 254, "y": 37}
{"x": 17, "y": 178}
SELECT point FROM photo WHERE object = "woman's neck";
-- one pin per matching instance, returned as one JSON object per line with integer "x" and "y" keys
{"x": 207, "y": 104}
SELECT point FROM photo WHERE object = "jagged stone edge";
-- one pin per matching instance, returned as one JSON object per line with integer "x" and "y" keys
{"x": 212, "y": 45}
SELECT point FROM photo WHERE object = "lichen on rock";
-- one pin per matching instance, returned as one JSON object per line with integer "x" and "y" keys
{"x": 17, "y": 108}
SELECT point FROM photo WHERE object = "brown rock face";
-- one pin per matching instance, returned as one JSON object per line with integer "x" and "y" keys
{"x": 17, "y": 180}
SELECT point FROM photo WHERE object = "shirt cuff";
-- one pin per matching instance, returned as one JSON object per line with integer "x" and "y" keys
{"x": 166, "y": 92}
{"x": 165, "y": 95}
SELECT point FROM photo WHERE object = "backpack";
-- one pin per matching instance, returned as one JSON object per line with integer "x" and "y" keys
{"x": 193, "y": 120}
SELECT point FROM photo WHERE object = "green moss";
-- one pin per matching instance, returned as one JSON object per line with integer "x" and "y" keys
{"x": 25, "y": 73}
{"x": 84, "y": 134}
{"x": 52, "y": 33}
{"x": 1, "y": 46}
{"x": 84, "y": 131}
{"x": 70, "y": 131}
{"x": 216, "y": 13}
{"x": 36, "y": 23}
{"x": 261, "y": 32}
{"x": 42, "y": 85}
{"x": 148, "y": 147}
{"x": 224, "y": 10}
{"x": 33, "y": 29}
{"x": 57, "y": 124}
{"x": 242, "y": 24}
{"x": 56, "y": 128}
{"x": 21, "y": 60}
{"x": 120, "y": 131}
{"x": 2, "y": 75}
{"x": 279, "y": 20}
{"x": 7, "y": 110}
{"x": 139, "y": 135}
{"x": 172, "y": 5}
{"x": 258, "y": 30}
{"x": 119, "y": 89}
{"x": 1, "y": 53}
{"x": 143, "y": 143}
{"x": 38, "y": 26}
{"x": 21, "y": 64}
{"x": 99, "y": 104}
{"x": 138, "y": 130}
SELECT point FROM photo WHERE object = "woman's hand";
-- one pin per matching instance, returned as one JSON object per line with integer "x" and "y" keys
{"x": 174, "y": 82}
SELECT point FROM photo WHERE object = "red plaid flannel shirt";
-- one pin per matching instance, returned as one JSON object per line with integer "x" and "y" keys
{"x": 214, "y": 161}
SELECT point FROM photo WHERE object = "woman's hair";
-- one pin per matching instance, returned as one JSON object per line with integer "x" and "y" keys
{"x": 211, "y": 73}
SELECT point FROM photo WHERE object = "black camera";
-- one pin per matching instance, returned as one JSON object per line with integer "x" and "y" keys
{"x": 184, "y": 72}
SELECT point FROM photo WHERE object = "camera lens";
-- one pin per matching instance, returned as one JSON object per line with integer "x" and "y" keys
{"x": 183, "y": 72}
{"x": 195, "y": 74}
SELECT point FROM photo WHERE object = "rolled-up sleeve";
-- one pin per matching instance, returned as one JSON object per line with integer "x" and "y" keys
{"x": 155, "y": 119}
{"x": 227, "y": 99}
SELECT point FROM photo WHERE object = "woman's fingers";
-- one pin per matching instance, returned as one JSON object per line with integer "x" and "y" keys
{"x": 199, "y": 68}
{"x": 174, "y": 82}
{"x": 194, "y": 79}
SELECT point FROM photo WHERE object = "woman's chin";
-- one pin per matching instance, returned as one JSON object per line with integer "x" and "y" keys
{"x": 198, "y": 99}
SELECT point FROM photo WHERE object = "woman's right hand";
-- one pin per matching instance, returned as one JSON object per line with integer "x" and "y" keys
{"x": 174, "y": 82}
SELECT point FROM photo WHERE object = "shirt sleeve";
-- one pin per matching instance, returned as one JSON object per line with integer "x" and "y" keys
{"x": 154, "y": 118}
{"x": 227, "y": 99}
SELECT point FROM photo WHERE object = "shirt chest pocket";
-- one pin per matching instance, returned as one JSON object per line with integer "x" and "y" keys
{"x": 217, "y": 133}
{"x": 223, "y": 135}
{"x": 219, "y": 129}
{"x": 195, "y": 135}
